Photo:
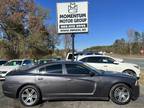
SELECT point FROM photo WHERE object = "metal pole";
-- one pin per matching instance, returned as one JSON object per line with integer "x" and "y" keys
{"x": 73, "y": 48}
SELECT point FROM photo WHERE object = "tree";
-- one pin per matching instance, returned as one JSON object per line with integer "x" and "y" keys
{"x": 27, "y": 35}
{"x": 130, "y": 33}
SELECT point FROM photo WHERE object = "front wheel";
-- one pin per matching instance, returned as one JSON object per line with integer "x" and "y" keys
{"x": 29, "y": 95}
{"x": 120, "y": 94}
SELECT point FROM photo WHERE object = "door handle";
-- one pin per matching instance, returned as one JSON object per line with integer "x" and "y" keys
{"x": 40, "y": 78}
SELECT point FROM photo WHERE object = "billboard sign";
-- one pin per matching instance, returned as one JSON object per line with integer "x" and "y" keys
{"x": 72, "y": 17}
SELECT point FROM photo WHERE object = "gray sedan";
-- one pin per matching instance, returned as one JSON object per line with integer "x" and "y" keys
{"x": 69, "y": 81}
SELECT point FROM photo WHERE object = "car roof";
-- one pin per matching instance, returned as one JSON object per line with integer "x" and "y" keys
{"x": 94, "y": 56}
{"x": 63, "y": 61}
{"x": 84, "y": 56}
{"x": 54, "y": 62}
{"x": 60, "y": 62}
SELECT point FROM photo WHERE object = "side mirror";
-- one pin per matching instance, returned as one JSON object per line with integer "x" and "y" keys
{"x": 116, "y": 62}
{"x": 92, "y": 74}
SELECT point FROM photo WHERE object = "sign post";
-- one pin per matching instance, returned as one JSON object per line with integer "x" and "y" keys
{"x": 73, "y": 46}
{"x": 72, "y": 18}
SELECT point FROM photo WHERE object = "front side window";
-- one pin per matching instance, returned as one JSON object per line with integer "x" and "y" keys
{"x": 52, "y": 69}
{"x": 76, "y": 69}
{"x": 27, "y": 62}
{"x": 107, "y": 60}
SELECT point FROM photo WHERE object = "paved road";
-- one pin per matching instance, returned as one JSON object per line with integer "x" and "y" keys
{"x": 11, "y": 103}
{"x": 138, "y": 61}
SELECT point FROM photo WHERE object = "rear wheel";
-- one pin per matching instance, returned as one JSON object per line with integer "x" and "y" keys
{"x": 120, "y": 94}
{"x": 29, "y": 95}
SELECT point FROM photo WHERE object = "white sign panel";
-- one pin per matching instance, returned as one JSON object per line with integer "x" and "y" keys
{"x": 72, "y": 17}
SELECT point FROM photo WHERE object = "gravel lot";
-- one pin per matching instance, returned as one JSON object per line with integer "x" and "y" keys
{"x": 11, "y": 103}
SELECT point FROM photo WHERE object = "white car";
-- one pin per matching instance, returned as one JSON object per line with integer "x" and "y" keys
{"x": 79, "y": 54}
{"x": 14, "y": 65}
{"x": 107, "y": 63}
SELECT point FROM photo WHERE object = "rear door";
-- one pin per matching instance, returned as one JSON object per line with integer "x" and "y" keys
{"x": 51, "y": 80}
{"x": 79, "y": 81}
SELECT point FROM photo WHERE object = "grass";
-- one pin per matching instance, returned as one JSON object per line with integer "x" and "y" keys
{"x": 142, "y": 77}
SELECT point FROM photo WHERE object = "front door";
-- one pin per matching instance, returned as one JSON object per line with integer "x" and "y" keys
{"x": 79, "y": 80}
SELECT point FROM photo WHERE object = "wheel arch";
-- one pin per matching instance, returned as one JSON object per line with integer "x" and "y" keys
{"x": 117, "y": 84}
{"x": 31, "y": 84}
{"x": 129, "y": 70}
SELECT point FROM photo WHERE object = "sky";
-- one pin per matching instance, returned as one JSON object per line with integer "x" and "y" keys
{"x": 108, "y": 20}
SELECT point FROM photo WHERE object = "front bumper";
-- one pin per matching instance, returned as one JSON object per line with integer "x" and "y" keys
{"x": 135, "y": 92}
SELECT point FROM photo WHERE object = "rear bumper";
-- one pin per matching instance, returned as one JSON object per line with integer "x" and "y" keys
{"x": 135, "y": 92}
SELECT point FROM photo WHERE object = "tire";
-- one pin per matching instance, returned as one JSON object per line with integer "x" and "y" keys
{"x": 29, "y": 95}
{"x": 120, "y": 94}
{"x": 130, "y": 72}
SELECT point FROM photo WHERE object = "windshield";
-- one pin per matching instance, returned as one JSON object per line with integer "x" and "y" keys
{"x": 13, "y": 63}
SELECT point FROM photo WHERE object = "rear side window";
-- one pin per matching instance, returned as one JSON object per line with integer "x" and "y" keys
{"x": 92, "y": 59}
{"x": 76, "y": 69}
{"x": 52, "y": 69}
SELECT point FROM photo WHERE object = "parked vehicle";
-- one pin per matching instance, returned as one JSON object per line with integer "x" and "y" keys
{"x": 2, "y": 62}
{"x": 69, "y": 81}
{"x": 79, "y": 54}
{"x": 107, "y": 63}
{"x": 14, "y": 65}
{"x": 44, "y": 61}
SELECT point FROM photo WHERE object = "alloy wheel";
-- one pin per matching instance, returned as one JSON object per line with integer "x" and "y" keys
{"x": 122, "y": 94}
{"x": 29, "y": 96}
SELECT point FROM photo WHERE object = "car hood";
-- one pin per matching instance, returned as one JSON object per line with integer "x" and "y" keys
{"x": 119, "y": 60}
{"x": 116, "y": 74}
{"x": 9, "y": 68}
{"x": 129, "y": 64}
